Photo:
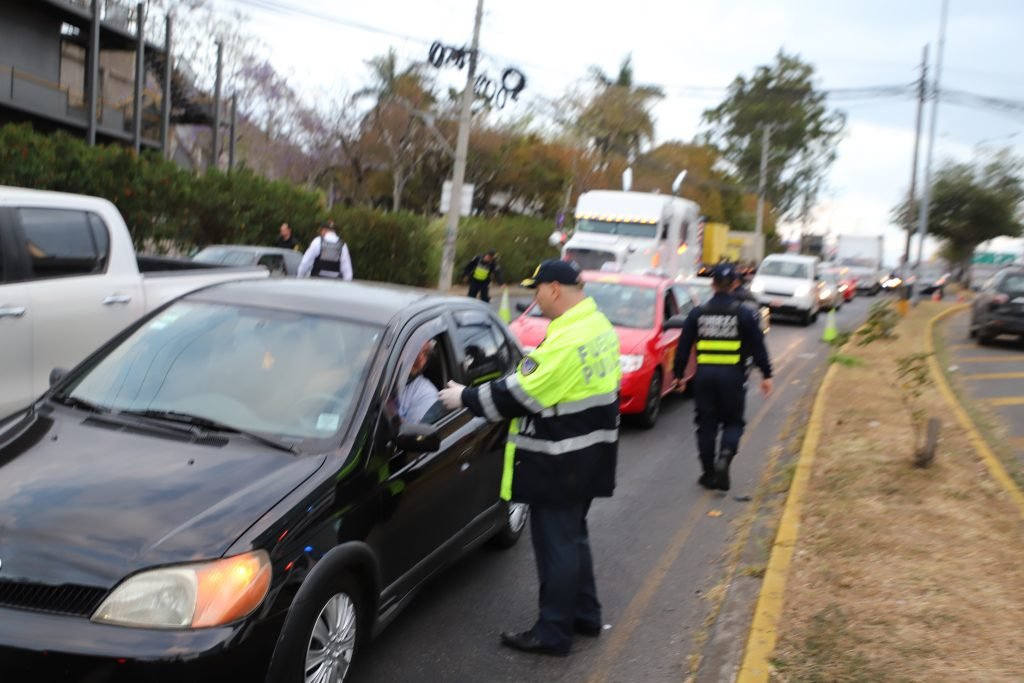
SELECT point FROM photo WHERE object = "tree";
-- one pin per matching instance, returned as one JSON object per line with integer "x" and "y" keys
{"x": 617, "y": 118}
{"x": 971, "y": 203}
{"x": 804, "y": 132}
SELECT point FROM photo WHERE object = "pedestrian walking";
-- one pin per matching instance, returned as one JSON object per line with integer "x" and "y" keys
{"x": 726, "y": 333}
{"x": 327, "y": 256}
{"x": 478, "y": 273}
{"x": 563, "y": 399}
{"x": 286, "y": 240}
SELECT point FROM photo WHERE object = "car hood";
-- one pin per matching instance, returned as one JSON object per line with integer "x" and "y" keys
{"x": 530, "y": 331}
{"x": 87, "y": 504}
{"x": 632, "y": 340}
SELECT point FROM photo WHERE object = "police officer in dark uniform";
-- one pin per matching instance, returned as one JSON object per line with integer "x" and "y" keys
{"x": 726, "y": 333}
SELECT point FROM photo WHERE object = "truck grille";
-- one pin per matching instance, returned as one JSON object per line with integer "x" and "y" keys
{"x": 78, "y": 601}
{"x": 589, "y": 259}
{"x": 785, "y": 294}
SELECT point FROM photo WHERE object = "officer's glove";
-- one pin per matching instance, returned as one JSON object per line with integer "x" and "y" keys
{"x": 451, "y": 395}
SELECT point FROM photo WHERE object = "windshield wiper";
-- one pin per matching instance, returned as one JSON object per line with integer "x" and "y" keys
{"x": 81, "y": 403}
{"x": 206, "y": 424}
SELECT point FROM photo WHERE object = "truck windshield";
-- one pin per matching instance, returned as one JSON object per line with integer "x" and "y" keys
{"x": 280, "y": 373}
{"x": 857, "y": 262}
{"x": 649, "y": 230}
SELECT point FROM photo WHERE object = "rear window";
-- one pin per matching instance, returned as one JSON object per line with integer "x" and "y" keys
{"x": 785, "y": 269}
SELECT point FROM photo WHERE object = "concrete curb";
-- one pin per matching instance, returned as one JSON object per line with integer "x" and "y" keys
{"x": 764, "y": 627}
{"x": 993, "y": 463}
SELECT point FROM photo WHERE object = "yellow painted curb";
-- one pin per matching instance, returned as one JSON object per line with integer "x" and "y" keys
{"x": 995, "y": 467}
{"x": 764, "y": 628}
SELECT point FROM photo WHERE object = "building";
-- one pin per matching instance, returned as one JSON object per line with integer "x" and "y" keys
{"x": 62, "y": 59}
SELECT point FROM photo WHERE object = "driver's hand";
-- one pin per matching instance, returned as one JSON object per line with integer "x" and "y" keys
{"x": 451, "y": 395}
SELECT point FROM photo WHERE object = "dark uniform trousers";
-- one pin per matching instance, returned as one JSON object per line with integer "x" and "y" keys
{"x": 720, "y": 394}
{"x": 481, "y": 288}
{"x": 568, "y": 593}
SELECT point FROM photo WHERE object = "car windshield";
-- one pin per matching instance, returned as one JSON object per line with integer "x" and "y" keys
{"x": 280, "y": 373}
{"x": 784, "y": 269}
{"x": 225, "y": 257}
{"x": 618, "y": 228}
{"x": 857, "y": 262}
{"x": 623, "y": 305}
{"x": 701, "y": 290}
{"x": 1013, "y": 284}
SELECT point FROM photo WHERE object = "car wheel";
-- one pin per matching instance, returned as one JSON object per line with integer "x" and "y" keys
{"x": 516, "y": 517}
{"x": 652, "y": 407}
{"x": 322, "y": 634}
{"x": 808, "y": 318}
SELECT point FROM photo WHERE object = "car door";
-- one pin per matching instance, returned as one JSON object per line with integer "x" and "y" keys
{"x": 421, "y": 500}
{"x": 667, "y": 340}
{"x": 272, "y": 262}
{"x": 75, "y": 303}
{"x": 15, "y": 327}
{"x": 485, "y": 352}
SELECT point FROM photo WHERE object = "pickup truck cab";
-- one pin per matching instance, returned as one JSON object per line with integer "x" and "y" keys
{"x": 70, "y": 280}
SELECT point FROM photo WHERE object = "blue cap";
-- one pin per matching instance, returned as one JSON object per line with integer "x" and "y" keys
{"x": 553, "y": 270}
{"x": 723, "y": 272}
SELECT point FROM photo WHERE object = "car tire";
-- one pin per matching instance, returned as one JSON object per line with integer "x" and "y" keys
{"x": 330, "y": 621}
{"x": 652, "y": 406}
{"x": 808, "y": 318}
{"x": 515, "y": 518}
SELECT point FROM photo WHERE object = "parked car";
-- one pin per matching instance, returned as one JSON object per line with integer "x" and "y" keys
{"x": 999, "y": 306}
{"x": 701, "y": 287}
{"x": 638, "y": 306}
{"x": 789, "y": 285}
{"x": 227, "y": 491}
{"x": 280, "y": 262}
{"x": 70, "y": 280}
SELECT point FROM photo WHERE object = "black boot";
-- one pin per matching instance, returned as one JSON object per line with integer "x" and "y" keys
{"x": 722, "y": 462}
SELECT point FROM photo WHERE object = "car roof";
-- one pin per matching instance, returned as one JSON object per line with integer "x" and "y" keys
{"x": 247, "y": 247}
{"x": 371, "y": 302}
{"x": 630, "y": 279}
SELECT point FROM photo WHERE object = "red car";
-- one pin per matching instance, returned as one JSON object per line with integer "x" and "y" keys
{"x": 638, "y": 306}
{"x": 847, "y": 283}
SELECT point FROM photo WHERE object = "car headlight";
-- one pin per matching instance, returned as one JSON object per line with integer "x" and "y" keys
{"x": 802, "y": 290}
{"x": 631, "y": 363}
{"x": 191, "y": 595}
{"x": 757, "y": 287}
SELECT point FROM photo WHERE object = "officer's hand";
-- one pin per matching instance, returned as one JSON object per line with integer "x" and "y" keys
{"x": 679, "y": 386}
{"x": 451, "y": 395}
{"x": 766, "y": 386}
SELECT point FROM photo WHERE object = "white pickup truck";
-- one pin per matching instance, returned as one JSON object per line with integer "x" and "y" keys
{"x": 70, "y": 280}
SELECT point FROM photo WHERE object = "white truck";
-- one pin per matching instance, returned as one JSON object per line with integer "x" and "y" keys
{"x": 636, "y": 232}
{"x": 863, "y": 255}
{"x": 70, "y": 280}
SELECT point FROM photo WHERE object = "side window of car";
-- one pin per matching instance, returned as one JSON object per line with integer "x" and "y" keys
{"x": 671, "y": 307}
{"x": 273, "y": 262}
{"x": 64, "y": 243}
{"x": 486, "y": 351}
{"x": 422, "y": 371}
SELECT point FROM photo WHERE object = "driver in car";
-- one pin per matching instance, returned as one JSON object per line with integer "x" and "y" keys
{"x": 419, "y": 394}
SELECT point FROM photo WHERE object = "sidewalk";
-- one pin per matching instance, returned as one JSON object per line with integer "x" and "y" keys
{"x": 881, "y": 571}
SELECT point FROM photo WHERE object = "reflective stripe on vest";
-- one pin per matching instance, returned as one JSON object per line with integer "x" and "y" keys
{"x": 481, "y": 273}
{"x": 718, "y": 359}
{"x": 718, "y": 341}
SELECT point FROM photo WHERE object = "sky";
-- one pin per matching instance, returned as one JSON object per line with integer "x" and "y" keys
{"x": 693, "y": 50}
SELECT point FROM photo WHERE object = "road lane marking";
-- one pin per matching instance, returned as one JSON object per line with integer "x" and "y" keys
{"x": 1007, "y": 401}
{"x": 995, "y": 375}
{"x": 989, "y": 359}
{"x": 962, "y": 346}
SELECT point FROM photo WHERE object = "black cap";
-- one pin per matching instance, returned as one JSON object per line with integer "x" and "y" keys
{"x": 553, "y": 270}
{"x": 724, "y": 273}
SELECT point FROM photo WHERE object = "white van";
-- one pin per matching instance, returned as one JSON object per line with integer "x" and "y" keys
{"x": 789, "y": 285}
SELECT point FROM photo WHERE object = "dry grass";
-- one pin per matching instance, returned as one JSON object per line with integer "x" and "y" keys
{"x": 901, "y": 574}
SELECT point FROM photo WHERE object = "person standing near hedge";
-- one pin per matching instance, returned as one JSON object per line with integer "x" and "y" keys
{"x": 327, "y": 256}
{"x": 478, "y": 273}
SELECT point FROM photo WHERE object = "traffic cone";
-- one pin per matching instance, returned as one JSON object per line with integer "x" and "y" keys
{"x": 504, "y": 312}
{"x": 830, "y": 333}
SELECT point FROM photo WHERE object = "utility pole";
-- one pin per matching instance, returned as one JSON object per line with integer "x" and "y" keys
{"x": 926, "y": 189}
{"x": 922, "y": 89}
{"x": 461, "y": 147}
{"x": 766, "y": 136}
{"x": 94, "y": 72}
{"x": 140, "y": 75}
{"x": 234, "y": 133}
{"x": 216, "y": 107}
{"x": 165, "y": 107}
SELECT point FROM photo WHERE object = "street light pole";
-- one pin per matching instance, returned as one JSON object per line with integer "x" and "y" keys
{"x": 762, "y": 184}
{"x": 461, "y": 148}
{"x": 922, "y": 88}
{"x": 926, "y": 189}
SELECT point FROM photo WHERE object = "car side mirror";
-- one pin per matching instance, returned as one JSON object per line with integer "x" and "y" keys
{"x": 418, "y": 438}
{"x": 521, "y": 306}
{"x": 674, "y": 323}
{"x": 57, "y": 374}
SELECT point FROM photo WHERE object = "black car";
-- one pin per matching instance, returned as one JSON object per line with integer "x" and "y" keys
{"x": 999, "y": 306}
{"x": 239, "y": 487}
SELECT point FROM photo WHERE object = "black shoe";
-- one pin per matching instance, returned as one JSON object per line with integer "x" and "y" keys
{"x": 527, "y": 642}
{"x": 722, "y": 470}
{"x": 708, "y": 481}
{"x": 585, "y": 629}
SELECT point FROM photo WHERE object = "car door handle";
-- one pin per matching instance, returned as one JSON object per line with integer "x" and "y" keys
{"x": 12, "y": 311}
{"x": 117, "y": 299}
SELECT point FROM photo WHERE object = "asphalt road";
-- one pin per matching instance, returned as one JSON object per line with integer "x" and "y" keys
{"x": 657, "y": 551}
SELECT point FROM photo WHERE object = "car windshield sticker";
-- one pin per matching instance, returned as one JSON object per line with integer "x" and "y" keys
{"x": 328, "y": 422}
{"x": 169, "y": 317}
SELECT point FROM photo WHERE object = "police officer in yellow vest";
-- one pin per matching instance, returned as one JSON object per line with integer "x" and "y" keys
{"x": 726, "y": 335}
{"x": 478, "y": 273}
{"x": 562, "y": 449}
